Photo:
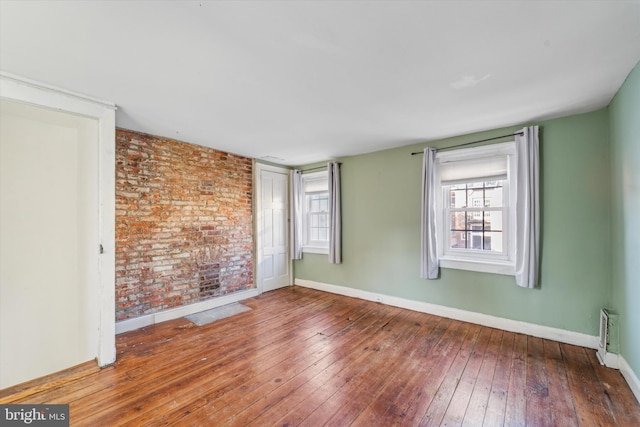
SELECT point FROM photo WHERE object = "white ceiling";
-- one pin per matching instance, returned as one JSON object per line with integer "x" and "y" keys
{"x": 314, "y": 80}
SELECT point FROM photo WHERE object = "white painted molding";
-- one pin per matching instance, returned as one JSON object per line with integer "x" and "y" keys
{"x": 546, "y": 332}
{"x": 630, "y": 376}
{"x": 14, "y": 80}
{"x": 175, "y": 313}
{"x": 107, "y": 235}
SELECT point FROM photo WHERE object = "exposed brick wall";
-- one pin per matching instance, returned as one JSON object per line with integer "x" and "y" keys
{"x": 183, "y": 224}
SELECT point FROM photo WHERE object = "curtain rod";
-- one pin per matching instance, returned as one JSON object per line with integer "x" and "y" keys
{"x": 314, "y": 169}
{"x": 472, "y": 142}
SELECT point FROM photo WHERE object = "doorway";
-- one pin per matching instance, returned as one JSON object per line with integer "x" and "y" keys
{"x": 57, "y": 204}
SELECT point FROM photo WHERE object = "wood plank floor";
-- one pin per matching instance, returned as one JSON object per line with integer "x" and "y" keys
{"x": 304, "y": 357}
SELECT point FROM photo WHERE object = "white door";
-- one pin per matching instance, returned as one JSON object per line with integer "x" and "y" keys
{"x": 49, "y": 241}
{"x": 273, "y": 228}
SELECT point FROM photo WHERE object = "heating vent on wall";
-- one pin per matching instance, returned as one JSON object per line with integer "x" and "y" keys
{"x": 608, "y": 343}
{"x": 604, "y": 335}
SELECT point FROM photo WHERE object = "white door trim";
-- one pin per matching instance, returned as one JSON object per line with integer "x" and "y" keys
{"x": 259, "y": 167}
{"x": 19, "y": 89}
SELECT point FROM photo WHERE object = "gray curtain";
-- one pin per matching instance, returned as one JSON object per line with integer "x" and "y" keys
{"x": 527, "y": 208}
{"x": 297, "y": 199}
{"x": 335, "y": 218}
{"x": 429, "y": 266}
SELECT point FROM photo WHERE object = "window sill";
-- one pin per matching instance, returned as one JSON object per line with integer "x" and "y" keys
{"x": 495, "y": 267}
{"x": 315, "y": 250}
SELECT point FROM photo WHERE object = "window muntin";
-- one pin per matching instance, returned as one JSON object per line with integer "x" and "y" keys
{"x": 315, "y": 216}
{"x": 475, "y": 212}
{"x": 318, "y": 218}
{"x": 475, "y": 219}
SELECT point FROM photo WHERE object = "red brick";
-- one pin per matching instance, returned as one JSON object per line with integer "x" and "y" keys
{"x": 183, "y": 224}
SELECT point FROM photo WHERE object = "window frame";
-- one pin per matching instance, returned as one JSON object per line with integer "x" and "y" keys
{"x": 308, "y": 245}
{"x": 473, "y": 259}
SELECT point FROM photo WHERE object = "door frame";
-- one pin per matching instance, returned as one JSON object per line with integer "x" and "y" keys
{"x": 258, "y": 168}
{"x": 27, "y": 91}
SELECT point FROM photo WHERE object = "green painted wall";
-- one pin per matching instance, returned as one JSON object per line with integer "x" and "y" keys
{"x": 624, "y": 116}
{"x": 381, "y": 232}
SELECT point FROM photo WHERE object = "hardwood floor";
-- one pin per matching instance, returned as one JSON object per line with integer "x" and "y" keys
{"x": 304, "y": 357}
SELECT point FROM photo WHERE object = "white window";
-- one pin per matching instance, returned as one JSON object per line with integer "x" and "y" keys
{"x": 315, "y": 215}
{"x": 476, "y": 208}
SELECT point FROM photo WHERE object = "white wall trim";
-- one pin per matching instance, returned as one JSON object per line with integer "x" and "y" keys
{"x": 22, "y": 82}
{"x": 107, "y": 236}
{"x": 546, "y": 332}
{"x": 630, "y": 376}
{"x": 175, "y": 313}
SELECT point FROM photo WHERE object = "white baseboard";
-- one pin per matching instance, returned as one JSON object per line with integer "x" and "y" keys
{"x": 630, "y": 376}
{"x": 546, "y": 332}
{"x": 175, "y": 313}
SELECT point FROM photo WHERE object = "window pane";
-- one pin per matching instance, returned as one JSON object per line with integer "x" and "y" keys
{"x": 476, "y": 227}
{"x": 493, "y": 241}
{"x": 493, "y": 221}
{"x": 317, "y": 217}
{"x": 474, "y": 195}
{"x": 493, "y": 197}
{"x": 458, "y": 198}
{"x": 457, "y": 221}
{"x": 476, "y": 241}
{"x": 474, "y": 220}
{"x": 458, "y": 240}
{"x": 487, "y": 243}
{"x": 319, "y": 226}
{"x": 318, "y": 202}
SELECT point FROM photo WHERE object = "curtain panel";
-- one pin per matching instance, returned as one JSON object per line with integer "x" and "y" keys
{"x": 528, "y": 208}
{"x": 297, "y": 199}
{"x": 335, "y": 218}
{"x": 429, "y": 266}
